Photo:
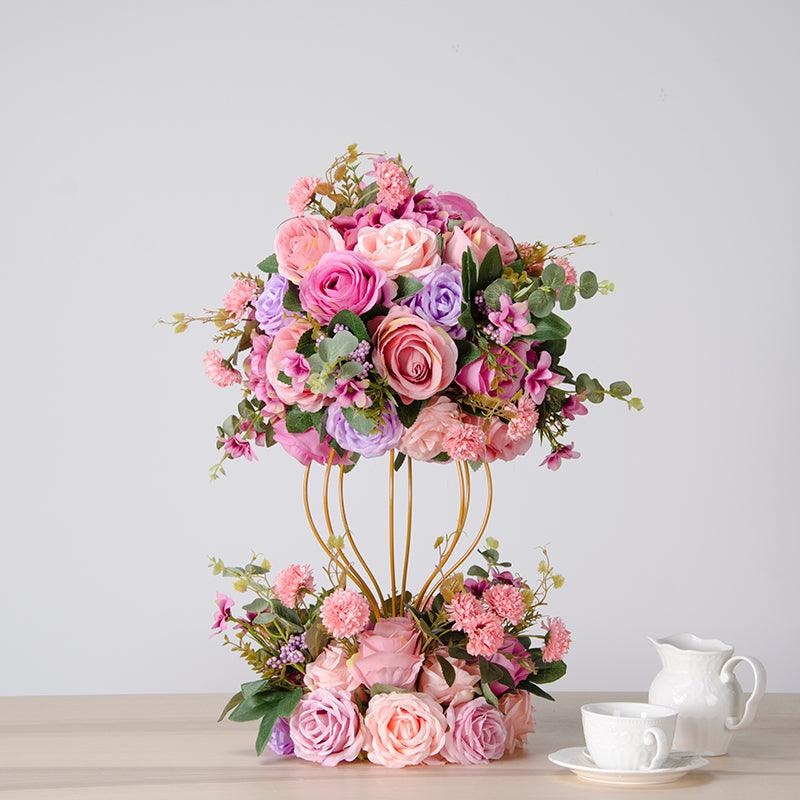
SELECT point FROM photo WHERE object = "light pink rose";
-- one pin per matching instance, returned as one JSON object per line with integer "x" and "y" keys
{"x": 343, "y": 281}
{"x": 479, "y": 236}
{"x": 281, "y": 352}
{"x": 499, "y": 445}
{"x": 389, "y": 654}
{"x": 517, "y": 710}
{"x": 458, "y": 205}
{"x": 424, "y": 440}
{"x": 432, "y": 682}
{"x": 301, "y": 242}
{"x": 417, "y": 359}
{"x": 403, "y": 729}
{"x": 326, "y": 728}
{"x": 329, "y": 671}
{"x": 502, "y": 381}
{"x": 400, "y": 248}
{"x": 306, "y": 446}
{"x": 476, "y": 733}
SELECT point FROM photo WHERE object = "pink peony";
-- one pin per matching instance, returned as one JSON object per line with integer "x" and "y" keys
{"x": 301, "y": 193}
{"x": 557, "y": 641}
{"x": 400, "y": 248}
{"x": 476, "y": 733}
{"x": 462, "y": 609}
{"x": 506, "y": 601}
{"x": 417, "y": 359}
{"x": 326, "y": 728}
{"x": 485, "y": 634}
{"x": 292, "y": 583}
{"x": 224, "y": 606}
{"x": 479, "y": 236}
{"x": 344, "y": 613}
{"x": 403, "y": 729}
{"x": 511, "y": 320}
{"x": 282, "y": 354}
{"x": 433, "y": 683}
{"x": 540, "y": 377}
{"x": 301, "y": 242}
{"x": 255, "y": 368}
{"x": 329, "y": 671}
{"x": 393, "y": 184}
{"x": 525, "y": 419}
{"x": 465, "y": 442}
{"x": 501, "y": 379}
{"x": 564, "y": 451}
{"x": 389, "y": 653}
{"x": 341, "y": 281}
{"x": 517, "y": 711}
{"x": 500, "y": 445}
{"x": 305, "y": 447}
{"x": 424, "y": 440}
{"x": 218, "y": 371}
{"x": 238, "y": 296}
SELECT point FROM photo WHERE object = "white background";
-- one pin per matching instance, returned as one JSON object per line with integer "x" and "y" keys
{"x": 146, "y": 151}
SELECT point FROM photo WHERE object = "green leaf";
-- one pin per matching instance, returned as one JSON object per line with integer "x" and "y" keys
{"x": 269, "y": 264}
{"x": 408, "y": 412}
{"x": 547, "y": 673}
{"x": 493, "y": 292}
{"x": 448, "y": 671}
{"x": 532, "y": 688}
{"x": 306, "y": 346}
{"x": 465, "y": 319}
{"x": 368, "y": 194}
{"x": 384, "y": 688}
{"x": 620, "y": 389}
{"x": 406, "y": 286}
{"x": 491, "y": 268}
{"x": 467, "y": 353}
{"x": 341, "y": 345}
{"x": 256, "y": 606}
{"x": 398, "y": 461}
{"x": 284, "y": 378}
{"x": 352, "y": 322}
{"x": 566, "y": 297}
{"x": 287, "y": 614}
{"x": 265, "y": 618}
{"x": 552, "y": 327}
{"x": 477, "y": 572}
{"x": 350, "y": 369}
{"x": 291, "y": 300}
{"x": 469, "y": 275}
{"x": 556, "y": 347}
{"x": 541, "y": 303}
{"x": 553, "y": 275}
{"x": 281, "y": 704}
{"x": 454, "y": 651}
{"x": 298, "y": 421}
{"x": 587, "y": 285}
{"x": 230, "y": 425}
{"x": 358, "y": 420}
{"x": 317, "y": 638}
{"x": 230, "y": 705}
{"x": 250, "y": 708}
{"x": 252, "y": 688}
{"x": 584, "y": 383}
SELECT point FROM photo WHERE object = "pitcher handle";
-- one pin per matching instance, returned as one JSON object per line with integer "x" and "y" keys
{"x": 759, "y": 688}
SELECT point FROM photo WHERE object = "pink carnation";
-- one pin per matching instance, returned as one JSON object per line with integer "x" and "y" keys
{"x": 557, "y": 642}
{"x": 524, "y": 421}
{"x": 344, "y": 613}
{"x": 301, "y": 193}
{"x": 462, "y": 609}
{"x": 393, "y": 184}
{"x": 465, "y": 442}
{"x": 292, "y": 582}
{"x": 485, "y": 634}
{"x": 506, "y": 601}
{"x": 218, "y": 371}
{"x": 238, "y": 296}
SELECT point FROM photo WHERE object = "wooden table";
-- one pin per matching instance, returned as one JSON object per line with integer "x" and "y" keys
{"x": 169, "y": 746}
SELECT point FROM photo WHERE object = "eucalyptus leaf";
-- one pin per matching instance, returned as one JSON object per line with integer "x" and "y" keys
{"x": 541, "y": 303}
{"x": 256, "y": 606}
{"x": 553, "y": 275}
{"x": 620, "y": 389}
{"x": 497, "y": 288}
{"x": 566, "y": 297}
{"x": 551, "y": 327}
{"x": 350, "y": 369}
{"x": 587, "y": 284}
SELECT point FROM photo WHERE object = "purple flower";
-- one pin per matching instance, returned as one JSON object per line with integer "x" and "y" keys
{"x": 573, "y": 407}
{"x": 553, "y": 461}
{"x": 380, "y": 441}
{"x": 280, "y": 742}
{"x": 505, "y": 576}
{"x": 270, "y": 313}
{"x": 476, "y": 587}
{"x": 439, "y": 300}
{"x": 510, "y": 656}
{"x": 540, "y": 377}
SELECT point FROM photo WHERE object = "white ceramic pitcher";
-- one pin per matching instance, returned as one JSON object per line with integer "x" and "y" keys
{"x": 697, "y": 680}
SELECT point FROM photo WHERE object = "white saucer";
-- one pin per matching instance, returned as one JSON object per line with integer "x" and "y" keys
{"x": 577, "y": 760}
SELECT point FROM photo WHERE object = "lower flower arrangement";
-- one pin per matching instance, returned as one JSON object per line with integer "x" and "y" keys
{"x": 446, "y": 676}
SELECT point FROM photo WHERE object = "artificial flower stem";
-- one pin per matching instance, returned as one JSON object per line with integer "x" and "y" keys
{"x": 391, "y": 532}
{"x": 408, "y": 532}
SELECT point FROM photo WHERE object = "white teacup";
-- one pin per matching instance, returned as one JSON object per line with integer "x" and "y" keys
{"x": 628, "y": 736}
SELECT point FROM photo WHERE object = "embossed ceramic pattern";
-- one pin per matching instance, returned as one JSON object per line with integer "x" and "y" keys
{"x": 697, "y": 680}
{"x": 628, "y": 736}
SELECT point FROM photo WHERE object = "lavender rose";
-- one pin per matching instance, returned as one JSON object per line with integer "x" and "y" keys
{"x": 439, "y": 300}
{"x": 371, "y": 445}
{"x": 279, "y": 741}
{"x": 476, "y": 733}
{"x": 270, "y": 313}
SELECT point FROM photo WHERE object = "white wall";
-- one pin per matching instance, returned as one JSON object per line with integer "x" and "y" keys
{"x": 146, "y": 152}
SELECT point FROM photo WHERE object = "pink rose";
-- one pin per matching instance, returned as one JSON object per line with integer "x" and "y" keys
{"x": 403, "y": 729}
{"x": 517, "y": 710}
{"x": 343, "y": 281}
{"x": 280, "y": 355}
{"x": 305, "y": 447}
{"x": 329, "y": 671}
{"x": 417, "y": 359}
{"x": 301, "y": 242}
{"x": 400, "y": 248}
{"x": 479, "y": 236}
{"x": 501, "y": 381}
{"x": 476, "y": 733}
{"x": 457, "y": 205}
{"x": 510, "y": 656}
{"x": 326, "y": 728}
{"x": 424, "y": 440}
{"x": 389, "y": 654}
{"x": 499, "y": 445}
{"x": 432, "y": 682}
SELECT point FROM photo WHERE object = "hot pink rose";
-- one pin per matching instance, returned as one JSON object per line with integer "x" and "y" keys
{"x": 510, "y": 656}
{"x": 343, "y": 280}
{"x": 329, "y": 671}
{"x": 280, "y": 354}
{"x": 458, "y": 205}
{"x": 403, "y": 729}
{"x": 389, "y": 653}
{"x": 417, "y": 359}
{"x": 499, "y": 445}
{"x": 424, "y": 440}
{"x": 517, "y": 710}
{"x": 400, "y": 248}
{"x": 326, "y": 728}
{"x": 305, "y": 447}
{"x": 476, "y": 733}
{"x": 502, "y": 381}
{"x": 432, "y": 682}
{"x": 479, "y": 236}
{"x": 301, "y": 242}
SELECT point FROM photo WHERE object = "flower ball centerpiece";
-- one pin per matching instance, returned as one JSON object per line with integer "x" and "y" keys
{"x": 398, "y": 321}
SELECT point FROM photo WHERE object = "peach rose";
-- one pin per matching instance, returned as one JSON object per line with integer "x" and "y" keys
{"x": 517, "y": 710}
{"x": 499, "y": 445}
{"x": 432, "y": 682}
{"x": 417, "y": 359}
{"x": 329, "y": 671}
{"x": 283, "y": 347}
{"x": 424, "y": 440}
{"x": 301, "y": 242}
{"x": 400, "y": 248}
{"x": 389, "y": 654}
{"x": 403, "y": 729}
{"x": 479, "y": 236}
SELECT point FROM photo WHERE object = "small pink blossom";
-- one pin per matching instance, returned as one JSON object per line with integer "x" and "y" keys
{"x": 557, "y": 642}
{"x": 350, "y": 392}
{"x": 238, "y": 296}
{"x": 462, "y": 609}
{"x": 292, "y": 582}
{"x": 540, "y": 377}
{"x": 218, "y": 371}
{"x": 485, "y": 634}
{"x": 525, "y": 419}
{"x": 570, "y": 275}
{"x": 295, "y": 366}
{"x": 553, "y": 460}
{"x": 506, "y": 601}
{"x": 301, "y": 193}
{"x": 393, "y": 183}
{"x": 511, "y": 320}
{"x": 224, "y": 606}
{"x": 465, "y": 442}
{"x": 574, "y": 407}
{"x": 344, "y": 613}
{"x": 236, "y": 448}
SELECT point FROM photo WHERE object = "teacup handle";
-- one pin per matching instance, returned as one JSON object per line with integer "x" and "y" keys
{"x": 662, "y": 747}
{"x": 759, "y": 688}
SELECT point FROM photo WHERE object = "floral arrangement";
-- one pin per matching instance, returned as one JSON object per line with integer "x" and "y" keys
{"x": 451, "y": 683}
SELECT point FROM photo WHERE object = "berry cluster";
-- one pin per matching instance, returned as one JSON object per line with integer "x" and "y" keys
{"x": 290, "y": 653}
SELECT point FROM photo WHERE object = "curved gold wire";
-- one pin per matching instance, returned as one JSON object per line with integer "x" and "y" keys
{"x": 391, "y": 532}
{"x": 409, "y": 505}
